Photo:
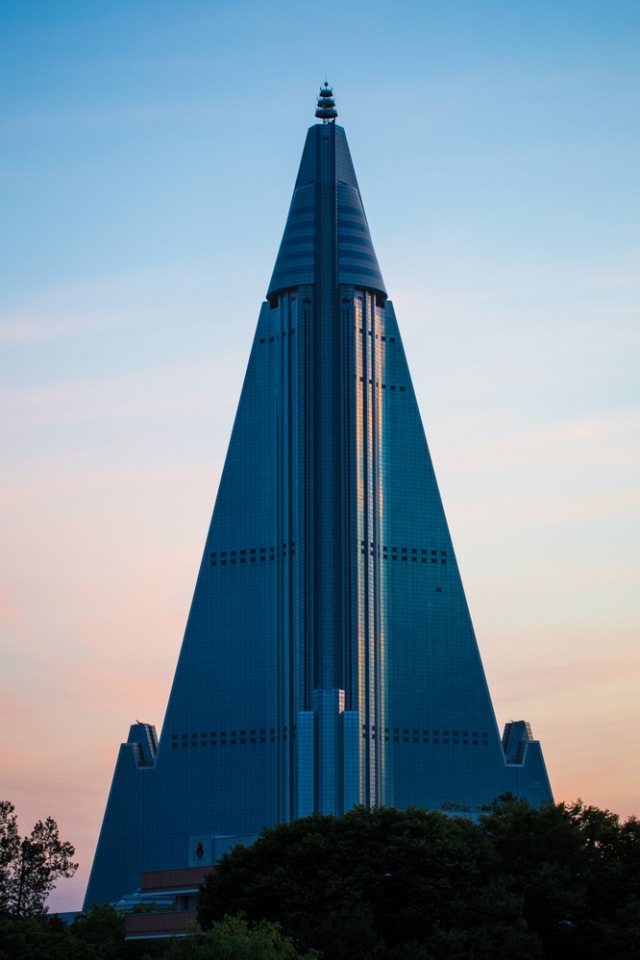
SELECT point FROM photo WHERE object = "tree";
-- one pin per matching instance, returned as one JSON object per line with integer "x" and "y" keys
{"x": 234, "y": 939}
{"x": 29, "y": 867}
{"x": 97, "y": 934}
{"x": 101, "y": 931}
{"x": 373, "y": 883}
{"x": 558, "y": 882}
{"x": 576, "y": 869}
{"x": 9, "y": 849}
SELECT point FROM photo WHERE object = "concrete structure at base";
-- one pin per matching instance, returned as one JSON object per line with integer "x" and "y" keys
{"x": 172, "y": 899}
{"x": 329, "y": 657}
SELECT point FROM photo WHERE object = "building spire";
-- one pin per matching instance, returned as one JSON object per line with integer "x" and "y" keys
{"x": 326, "y": 104}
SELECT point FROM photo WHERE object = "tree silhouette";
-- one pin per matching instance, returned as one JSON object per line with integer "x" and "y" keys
{"x": 30, "y": 866}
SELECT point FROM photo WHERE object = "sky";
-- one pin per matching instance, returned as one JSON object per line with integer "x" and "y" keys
{"x": 148, "y": 152}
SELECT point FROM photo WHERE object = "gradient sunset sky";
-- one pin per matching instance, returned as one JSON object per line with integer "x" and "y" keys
{"x": 148, "y": 152}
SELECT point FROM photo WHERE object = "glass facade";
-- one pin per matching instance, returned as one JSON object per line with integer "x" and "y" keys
{"x": 329, "y": 657}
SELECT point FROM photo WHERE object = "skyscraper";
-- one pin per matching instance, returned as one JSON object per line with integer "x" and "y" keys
{"x": 329, "y": 658}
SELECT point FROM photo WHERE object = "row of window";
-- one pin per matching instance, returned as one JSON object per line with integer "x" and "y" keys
{"x": 425, "y": 733}
{"x": 381, "y": 337}
{"x": 272, "y": 731}
{"x": 256, "y": 554}
{"x": 252, "y": 555}
{"x": 276, "y": 336}
{"x": 387, "y": 739}
{"x": 383, "y": 386}
{"x": 232, "y": 737}
{"x": 272, "y": 556}
{"x": 234, "y": 733}
{"x": 404, "y": 556}
{"x": 445, "y": 740}
{"x": 404, "y": 552}
{"x": 223, "y": 743}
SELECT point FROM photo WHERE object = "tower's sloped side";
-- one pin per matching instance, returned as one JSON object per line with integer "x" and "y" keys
{"x": 444, "y": 745}
{"x": 232, "y": 697}
{"x": 428, "y": 734}
{"x": 329, "y": 656}
{"x": 223, "y": 764}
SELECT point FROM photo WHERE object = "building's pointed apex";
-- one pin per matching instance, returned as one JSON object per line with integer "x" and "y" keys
{"x": 326, "y": 104}
{"x": 326, "y": 214}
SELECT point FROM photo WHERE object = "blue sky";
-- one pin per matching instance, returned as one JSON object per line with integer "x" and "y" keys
{"x": 148, "y": 154}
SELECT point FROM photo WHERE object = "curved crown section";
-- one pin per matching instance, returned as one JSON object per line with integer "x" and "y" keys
{"x": 326, "y": 183}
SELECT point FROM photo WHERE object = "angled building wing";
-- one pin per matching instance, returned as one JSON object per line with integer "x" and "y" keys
{"x": 329, "y": 658}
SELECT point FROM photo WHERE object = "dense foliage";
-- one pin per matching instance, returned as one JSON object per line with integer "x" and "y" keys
{"x": 234, "y": 939}
{"x": 557, "y": 882}
{"x": 30, "y": 866}
{"x": 98, "y": 934}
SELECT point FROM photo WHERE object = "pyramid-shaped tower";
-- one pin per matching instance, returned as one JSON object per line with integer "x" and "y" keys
{"x": 329, "y": 658}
